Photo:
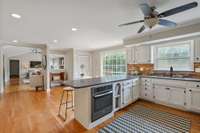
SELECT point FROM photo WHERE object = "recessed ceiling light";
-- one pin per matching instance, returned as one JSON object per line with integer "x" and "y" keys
{"x": 15, "y": 15}
{"x": 55, "y": 41}
{"x": 15, "y": 41}
{"x": 74, "y": 29}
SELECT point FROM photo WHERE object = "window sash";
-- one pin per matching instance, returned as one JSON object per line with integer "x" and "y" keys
{"x": 189, "y": 57}
{"x": 114, "y": 62}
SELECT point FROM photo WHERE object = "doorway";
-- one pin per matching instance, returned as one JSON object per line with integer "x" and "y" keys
{"x": 14, "y": 69}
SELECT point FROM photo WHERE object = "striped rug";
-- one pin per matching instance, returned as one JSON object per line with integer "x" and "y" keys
{"x": 140, "y": 119}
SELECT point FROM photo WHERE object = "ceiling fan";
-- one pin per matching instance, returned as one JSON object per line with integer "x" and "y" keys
{"x": 152, "y": 17}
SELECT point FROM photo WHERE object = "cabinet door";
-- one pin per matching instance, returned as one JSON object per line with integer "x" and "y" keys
{"x": 161, "y": 93}
{"x": 193, "y": 99}
{"x": 136, "y": 92}
{"x": 127, "y": 95}
{"x": 142, "y": 54}
{"x": 129, "y": 55}
{"x": 197, "y": 50}
{"x": 177, "y": 96}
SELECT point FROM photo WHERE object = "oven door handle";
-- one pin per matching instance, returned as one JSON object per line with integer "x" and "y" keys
{"x": 104, "y": 94}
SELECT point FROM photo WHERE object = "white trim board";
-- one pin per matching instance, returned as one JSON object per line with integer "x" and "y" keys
{"x": 187, "y": 33}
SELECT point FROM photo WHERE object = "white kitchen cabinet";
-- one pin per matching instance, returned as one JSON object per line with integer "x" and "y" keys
{"x": 142, "y": 55}
{"x": 193, "y": 99}
{"x": 146, "y": 91}
{"x": 177, "y": 96}
{"x": 197, "y": 50}
{"x": 136, "y": 90}
{"x": 127, "y": 93}
{"x": 130, "y": 53}
{"x": 161, "y": 93}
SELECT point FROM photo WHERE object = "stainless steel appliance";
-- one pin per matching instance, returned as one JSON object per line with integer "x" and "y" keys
{"x": 102, "y": 101}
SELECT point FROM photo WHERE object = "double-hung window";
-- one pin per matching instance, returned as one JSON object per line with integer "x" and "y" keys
{"x": 178, "y": 55}
{"x": 114, "y": 62}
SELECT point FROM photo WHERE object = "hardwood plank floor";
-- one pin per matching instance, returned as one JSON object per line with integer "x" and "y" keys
{"x": 36, "y": 112}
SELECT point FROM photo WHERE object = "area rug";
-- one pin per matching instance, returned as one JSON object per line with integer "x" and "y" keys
{"x": 140, "y": 119}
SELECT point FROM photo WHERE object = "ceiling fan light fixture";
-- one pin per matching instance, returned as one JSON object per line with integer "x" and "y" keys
{"x": 151, "y": 22}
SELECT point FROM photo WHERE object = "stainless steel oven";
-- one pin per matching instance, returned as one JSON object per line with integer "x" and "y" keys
{"x": 102, "y": 101}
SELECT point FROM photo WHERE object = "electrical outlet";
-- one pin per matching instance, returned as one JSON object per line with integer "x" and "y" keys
{"x": 197, "y": 70}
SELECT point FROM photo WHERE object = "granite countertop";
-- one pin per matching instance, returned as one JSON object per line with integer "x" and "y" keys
{"x": 83, "y": 83}
{"x": 172, "y": 78}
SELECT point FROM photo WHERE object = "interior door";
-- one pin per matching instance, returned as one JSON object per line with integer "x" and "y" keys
{"x": 83, "y": 66}
{"x": 177, "y": 96}
{"x": 14, "y": 68}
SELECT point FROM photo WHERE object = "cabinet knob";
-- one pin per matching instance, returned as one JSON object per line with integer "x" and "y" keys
{"x": 197, "y": 58}
{"x": 198, "y": 85}
{"x": 190, "y": 90}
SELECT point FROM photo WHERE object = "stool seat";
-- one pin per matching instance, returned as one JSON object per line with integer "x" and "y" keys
{"x": 68, "y": 89}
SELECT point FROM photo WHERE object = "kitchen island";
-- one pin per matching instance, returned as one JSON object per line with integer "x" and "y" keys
{"x": 94, "y": 98}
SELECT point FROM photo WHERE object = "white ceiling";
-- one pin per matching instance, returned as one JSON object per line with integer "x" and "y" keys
{"x": 46, "y": 20}
{"x": 12, "y": 51}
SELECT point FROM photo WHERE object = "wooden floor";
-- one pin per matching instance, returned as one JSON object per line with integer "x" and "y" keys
{"x": 36, "y": 112}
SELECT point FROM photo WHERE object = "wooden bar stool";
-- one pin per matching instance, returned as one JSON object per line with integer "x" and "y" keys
{"x": 63, "y": 102}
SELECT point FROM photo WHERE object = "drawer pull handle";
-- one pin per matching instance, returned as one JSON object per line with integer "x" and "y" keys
{"x": 198, "y": 85}
{"x": 167, "y": 88}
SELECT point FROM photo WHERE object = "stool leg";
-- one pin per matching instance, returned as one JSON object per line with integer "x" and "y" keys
{"x": 66, "y": 106}
{"x": 72, "y": 100}
{"x": 61, "y": 102}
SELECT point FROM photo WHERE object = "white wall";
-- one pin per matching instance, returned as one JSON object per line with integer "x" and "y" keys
{"x": 96, "y": 59}
{"x": 69, "y": 63}
{"x": 24, "y": 61}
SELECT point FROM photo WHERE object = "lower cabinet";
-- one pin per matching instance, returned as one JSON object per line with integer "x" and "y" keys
{"x": 136, "y": 90}
{"x": 177, "y": 96}
{"x": 170, "y": 95}
{"x": 161, "y": 93}
{"x": 183, "y": 96}
{"x": 127, "y": 93}
{"x": 193, "y": 99}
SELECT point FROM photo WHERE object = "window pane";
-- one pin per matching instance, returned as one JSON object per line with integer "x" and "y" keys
{"x": 114, "y": 63}
{"x": 177, "y": 51}
{"x": 179, "y": 56}
{"x": 178, "y": 64}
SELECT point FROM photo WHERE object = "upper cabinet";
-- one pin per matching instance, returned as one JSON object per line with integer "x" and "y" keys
{"x": 197, "y": 51}
{"x": 139, "y": 55}
{"x": 129, "y": 55}
{"x": 142, "y": 55}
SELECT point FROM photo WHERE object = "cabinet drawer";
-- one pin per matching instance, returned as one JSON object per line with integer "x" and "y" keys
{"x": 147, "y": 94}
{"x": 193, "y": 85}
{"x": 128, "y": 83}
{"x": 170, "y": 83}
{"x": 146, "y": 80}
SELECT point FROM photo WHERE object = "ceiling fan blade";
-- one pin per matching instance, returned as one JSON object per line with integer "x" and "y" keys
{"x": 146, "y": 9}
{"x": 141, "y": 29}
{"x": 140, "y": 21}
{"x": 178, "y": 9}
{"x": 167, "y": 23}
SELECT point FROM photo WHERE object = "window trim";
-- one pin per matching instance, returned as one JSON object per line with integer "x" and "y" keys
{"x": 108, "y": 52}
{"x": 155, "y": 52}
